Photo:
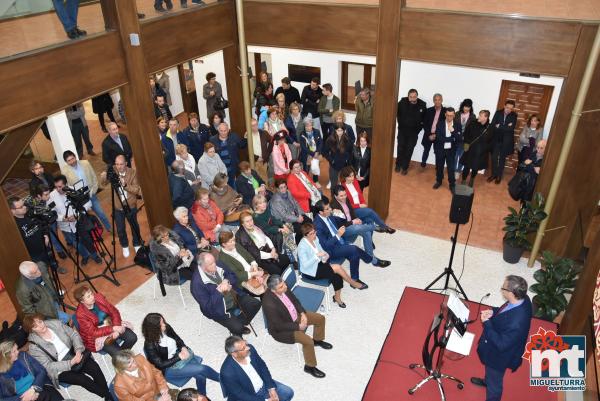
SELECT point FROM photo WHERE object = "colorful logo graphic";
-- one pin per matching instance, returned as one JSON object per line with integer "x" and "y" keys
{"x": 556, "y": 361}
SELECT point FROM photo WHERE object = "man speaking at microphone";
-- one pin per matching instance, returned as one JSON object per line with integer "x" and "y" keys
{"x": 505, "y": 332}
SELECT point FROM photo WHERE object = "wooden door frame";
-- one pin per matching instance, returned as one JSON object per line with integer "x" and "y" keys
{"x": 545, "y": 106}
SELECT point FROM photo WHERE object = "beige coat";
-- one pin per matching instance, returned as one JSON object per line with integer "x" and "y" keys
{"x": 88, "y": 172}
{"x": 143, "y": 388}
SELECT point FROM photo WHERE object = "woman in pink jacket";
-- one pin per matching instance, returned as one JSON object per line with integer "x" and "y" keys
{"x": 281, "y": 156}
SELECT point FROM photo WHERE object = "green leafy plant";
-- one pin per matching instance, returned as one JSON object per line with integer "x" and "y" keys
{"x": 519, "y": 224}
{"x": 556, "y": 278}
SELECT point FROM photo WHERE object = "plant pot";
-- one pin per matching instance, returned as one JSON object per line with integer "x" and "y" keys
{"x": 534, "y": 308}
{"x": 511, "y": 254}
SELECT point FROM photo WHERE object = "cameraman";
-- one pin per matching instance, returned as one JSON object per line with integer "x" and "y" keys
{"x": 124, "y": 181}
{"x": 37, "y": 206}
{"x": 32, "y": 233}
{"x": 67, "y": 221}
{"x": 76, "y": 170}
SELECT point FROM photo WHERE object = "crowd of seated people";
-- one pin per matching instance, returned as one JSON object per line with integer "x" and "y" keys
{"x": 236, "y": 233}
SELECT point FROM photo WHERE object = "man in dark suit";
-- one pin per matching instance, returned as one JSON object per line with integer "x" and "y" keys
{"x": 220, "y": 299}
{"x": 433, "y": 117}
{"x": 503, "y": 124}
{"x": 410, "y": 115}
{"x": 245, "y": 376}
{"x": 287, "y": 322}
{"x": 446, "y": 136}
{"x": 330, "y": 230}
{"x": 115, "y": 144}
{"x": 182, "y": 193}
{"x": 505, "y": 332}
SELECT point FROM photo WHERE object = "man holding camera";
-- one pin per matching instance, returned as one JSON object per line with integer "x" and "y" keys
{"x": 32, "y": 233}
{"x": 124, "y": 182}
{"x": 81, "y": 170}
{"x": 67, "y": 221}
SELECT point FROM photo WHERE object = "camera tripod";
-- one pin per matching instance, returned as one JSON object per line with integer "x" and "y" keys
{"x": 97, "y": 243}
{"x": 119, "y": 192}
{"x": 53, "y": 264}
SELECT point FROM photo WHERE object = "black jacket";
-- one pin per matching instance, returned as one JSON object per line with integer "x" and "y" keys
{"x": 102, "y": 103}
{"x": 245, "y": 188}
{"x": 362, "y": 162}
{"x": 242, "y": 238}
{"x": 478, "y": 137}
{"x": 335, "y": 204}
{"x": 158, "y": 356}
{"x": 35, "y": 181}
{"x": 182, "y": 193}
{"x": 411, "y": 116}
{"x": 428, "y": 122}
{"x": 504, "y": 131}
{"x": 111, "y": 149}
{"x": 157, "y": 112}
{"x": 310, "y": 101}
{"x": 291, "y": 95}
{"x": 337, "y": 159}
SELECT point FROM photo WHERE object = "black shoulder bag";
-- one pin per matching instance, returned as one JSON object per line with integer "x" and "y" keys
{"x": 74, "y": 368}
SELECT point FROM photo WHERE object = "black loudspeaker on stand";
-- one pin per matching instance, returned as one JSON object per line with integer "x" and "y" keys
{"x": 460, "y": 210}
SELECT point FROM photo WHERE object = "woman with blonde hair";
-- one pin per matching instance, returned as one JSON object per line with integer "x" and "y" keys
{"x": 22, "y": 378}
{"x": 136, "y": 379}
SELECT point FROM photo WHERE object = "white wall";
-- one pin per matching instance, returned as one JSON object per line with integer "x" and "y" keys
{"x": 456, "y": 83}
{"x": 330, "y": 64}
{"x": 453, "y": 82}
{"x": 210, "y": 63}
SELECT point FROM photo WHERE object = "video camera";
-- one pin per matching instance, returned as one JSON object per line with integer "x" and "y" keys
{"x": 42, "y": 213}
{"x": 78, "y": 195}
{"x": 113, "y": 177}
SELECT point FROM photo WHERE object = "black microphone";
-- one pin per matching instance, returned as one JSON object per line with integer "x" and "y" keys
{"x": 478, "y": 308}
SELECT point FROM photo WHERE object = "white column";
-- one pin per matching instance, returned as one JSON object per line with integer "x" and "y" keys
{"x": 61, "y": 136}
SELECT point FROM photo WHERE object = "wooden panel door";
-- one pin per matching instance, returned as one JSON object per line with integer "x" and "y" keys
{"x": 529, "y": 99}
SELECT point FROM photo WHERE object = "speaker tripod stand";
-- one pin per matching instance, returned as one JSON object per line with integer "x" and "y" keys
{"x": 448, "y": 271}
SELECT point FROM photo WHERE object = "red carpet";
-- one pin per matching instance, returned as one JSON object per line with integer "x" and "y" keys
{"x": 392, "y": 378}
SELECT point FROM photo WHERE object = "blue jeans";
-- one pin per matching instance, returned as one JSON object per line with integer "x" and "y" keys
{"x": 493, "y": 383}
{"x": 66, "y": 10}
{"x": 195, "y": 369}
{"x": 54, "y": 238}
{"x": 284, "y": 392}
{"x": 366, "y": 232}
{"x": 62, "y": 315}
{"x": 70, "y": 238}
{"x": 369, "y": 216}
{"x": 120, "y": 218}
{"x": 97, "y": 208}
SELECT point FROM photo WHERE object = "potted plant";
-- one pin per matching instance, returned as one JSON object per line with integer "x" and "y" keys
{"x": 556, "y": 278}
{"x": 518, "y": 225}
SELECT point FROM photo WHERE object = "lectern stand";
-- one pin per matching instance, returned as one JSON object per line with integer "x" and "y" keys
{"x": 445, "y": 322}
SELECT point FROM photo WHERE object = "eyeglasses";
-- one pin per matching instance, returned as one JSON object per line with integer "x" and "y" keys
{"x": 505, "y": 289}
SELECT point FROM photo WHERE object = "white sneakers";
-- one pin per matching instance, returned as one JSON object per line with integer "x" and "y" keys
{"x": 328, "y": 185}
{"x": 126, "y": 252}
{"x": 136, "y": 248}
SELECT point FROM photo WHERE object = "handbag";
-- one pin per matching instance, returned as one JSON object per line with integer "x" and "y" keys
{"x": 142, "y": 257}
{"x": 14, "y": 332}
{"x": 466, "y": 146}
{"x": 221, "y": 104}
{"x": 85, "y": 355}
{"x": 182, "y": 362}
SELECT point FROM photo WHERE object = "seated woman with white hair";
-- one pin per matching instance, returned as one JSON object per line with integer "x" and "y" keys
{"x": 190, "y": 234}
{"x": 137, "y": 379}
{"x": 171, "y": 258}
